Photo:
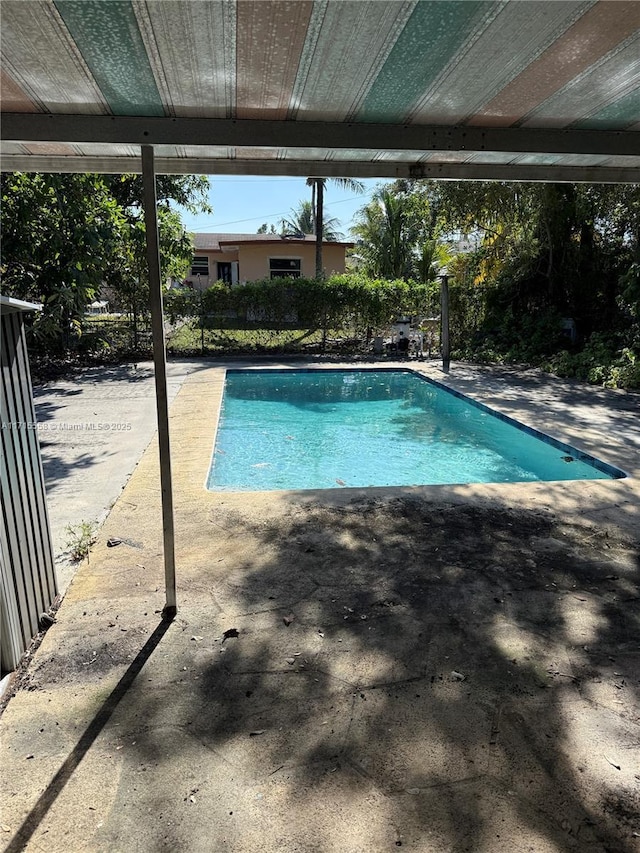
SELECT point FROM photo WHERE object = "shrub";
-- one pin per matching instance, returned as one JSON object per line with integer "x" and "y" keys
{"x": 352, "y": 302}
{"x": 602, "y": 361}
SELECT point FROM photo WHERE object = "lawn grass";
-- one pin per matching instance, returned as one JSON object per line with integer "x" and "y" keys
{"x": 189, "y": 339}
{"x": 105, "y": 336}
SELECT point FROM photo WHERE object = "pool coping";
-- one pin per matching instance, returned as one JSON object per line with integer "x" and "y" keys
{"x": 612, "y": 471}
{"x": 599, "y": 413}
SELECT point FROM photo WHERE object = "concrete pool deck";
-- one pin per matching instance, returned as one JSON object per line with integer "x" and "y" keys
{"x": 437, "y": 668}
{"x": 93, "y": 428}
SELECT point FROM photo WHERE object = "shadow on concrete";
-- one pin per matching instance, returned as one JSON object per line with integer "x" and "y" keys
{"x": 429, "y": 594}
{"x": 39, "y": 812}
{"x": 65, "y": 427}
{"x": 46, "y": 410}
{"x": 72, "y": 385}
{"x": 467, "y": 676}
{"x": 575, "y": 398}
{"x": 436, "y": 674}
{"x": 57, "y": 467}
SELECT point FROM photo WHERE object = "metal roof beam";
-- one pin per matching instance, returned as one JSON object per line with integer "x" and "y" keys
{"x": 327, "y": 168}
{"x": 134, "y": 130}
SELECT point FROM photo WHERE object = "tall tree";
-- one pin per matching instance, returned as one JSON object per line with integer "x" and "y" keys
{"x": 317, "y": 204}
{"x": 398, "y": 233}
{"x": 60, "y": 233}
{"x": 66, "y": 235}
{"x": 302, "y": 222}
{"x": 549, "y": 251}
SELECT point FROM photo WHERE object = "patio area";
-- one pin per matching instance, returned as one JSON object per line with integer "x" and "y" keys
{"x": 434, "y": 668}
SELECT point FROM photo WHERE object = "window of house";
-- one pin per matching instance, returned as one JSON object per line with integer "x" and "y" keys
{"x": 285, "y": 267}
{"x": 224, "y": 271}
{"x": 200, "y": 265}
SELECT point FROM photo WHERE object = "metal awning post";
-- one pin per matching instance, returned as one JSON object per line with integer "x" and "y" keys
{"x": 444, "y": 321}
{"x": 160, "y": 365}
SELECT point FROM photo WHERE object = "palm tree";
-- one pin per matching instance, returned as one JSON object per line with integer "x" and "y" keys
{"x": 399, "y": 235}
{"x": 302, "y": 221}
{"x": 386, "y": 235}
{"x": 317, "y": 205}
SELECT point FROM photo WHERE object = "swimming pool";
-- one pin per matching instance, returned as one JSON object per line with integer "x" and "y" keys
{"x": 326, "y": 428}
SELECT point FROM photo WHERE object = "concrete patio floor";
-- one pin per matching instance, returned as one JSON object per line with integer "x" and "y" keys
{"x": 93, "y": 428}
{"x": 436, "y": 668}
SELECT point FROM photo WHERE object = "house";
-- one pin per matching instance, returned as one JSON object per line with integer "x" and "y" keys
{"x": 238, "y": 258}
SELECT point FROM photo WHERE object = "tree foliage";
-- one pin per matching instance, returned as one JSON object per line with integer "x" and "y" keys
{"x": 548, "y": 252}
{"x": 128, "y": 279}
{"x": 68, "y": 236}
{"x": 301, "y": 221}
{"x": 188, "y": 191}
{"x": 547, "y": 257}
{"x": 399, "y": 233}
{"x": 59, "y": 234}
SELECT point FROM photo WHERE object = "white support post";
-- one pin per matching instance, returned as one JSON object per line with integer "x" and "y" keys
{"x": 160, "y": 365}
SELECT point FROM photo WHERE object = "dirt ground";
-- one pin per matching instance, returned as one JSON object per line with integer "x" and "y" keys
{"x": 438, "y": 671}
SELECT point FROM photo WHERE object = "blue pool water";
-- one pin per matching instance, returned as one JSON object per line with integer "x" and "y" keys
{"x": 323, "y": 429}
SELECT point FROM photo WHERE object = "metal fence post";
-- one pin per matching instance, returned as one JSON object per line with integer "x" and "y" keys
{"x": 444, "y": 321}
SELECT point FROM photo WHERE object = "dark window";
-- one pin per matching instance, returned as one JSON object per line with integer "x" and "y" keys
{"x": 285, "y": 267}
{"x": 224, "y": 271}
{"x": 200, "y": 265}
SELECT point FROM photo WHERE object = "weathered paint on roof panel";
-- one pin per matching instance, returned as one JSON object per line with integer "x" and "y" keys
{"x": 493, "y": 57}
{"x": 271, "y": 37}
{"x": 338, "y": 32}
{"x": 432, "y": 36}
{"x": 14, "y": 98}
{"x": 400, "y": 156}
{"x": 371, "y": 65}
{"x": 41, "y": 57}
{"x": 51, "y": 149}
{"x": 584, "y": 159}
{"x": 109, "y": 40}
{"x": 196, "y": 53}
{"x": 592, "y": 36}
{"x": 614, "y": 162}
{"x": 614, "y": 77}
{"x": 94, "y": 149}
{"x": 622, "y": 112}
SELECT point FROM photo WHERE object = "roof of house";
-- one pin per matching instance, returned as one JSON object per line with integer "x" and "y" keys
{"x": 215, "y": 242}
{"x": 379, "y": 88}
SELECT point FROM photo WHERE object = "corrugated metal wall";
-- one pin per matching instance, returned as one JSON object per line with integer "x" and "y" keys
{"x": 28, "y": 583}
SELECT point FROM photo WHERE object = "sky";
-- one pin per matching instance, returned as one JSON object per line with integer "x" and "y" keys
{"x": 241, "y": 204}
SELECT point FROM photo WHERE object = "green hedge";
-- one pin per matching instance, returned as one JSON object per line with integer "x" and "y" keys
{"x": 347, "y": 301}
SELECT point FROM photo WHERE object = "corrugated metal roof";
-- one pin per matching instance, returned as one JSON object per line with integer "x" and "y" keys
{"x": 369, "y": 88}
